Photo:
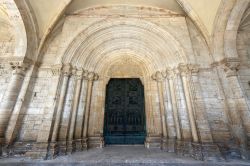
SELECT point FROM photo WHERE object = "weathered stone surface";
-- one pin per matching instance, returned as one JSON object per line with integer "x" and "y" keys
{"x": 53, "y": 81}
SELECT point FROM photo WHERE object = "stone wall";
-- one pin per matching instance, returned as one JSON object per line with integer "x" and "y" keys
{"x": 193, "y": 105}
{"x": 34, "y": 112}
{"x": 214, "y": 103}
{"x": 5, "y": 73}
{"x": 243, "y": 43}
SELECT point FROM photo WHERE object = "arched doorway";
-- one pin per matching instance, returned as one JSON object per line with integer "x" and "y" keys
{"x": 125, "y": 121}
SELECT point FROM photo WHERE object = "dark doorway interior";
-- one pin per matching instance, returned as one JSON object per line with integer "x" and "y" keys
{"x": 124, "y": 112}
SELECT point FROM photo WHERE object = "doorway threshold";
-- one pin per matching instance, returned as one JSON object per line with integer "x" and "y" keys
{"x": 126, "y": 145}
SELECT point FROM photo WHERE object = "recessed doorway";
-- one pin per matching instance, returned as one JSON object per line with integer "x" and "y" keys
{"x": 124, "y": 121}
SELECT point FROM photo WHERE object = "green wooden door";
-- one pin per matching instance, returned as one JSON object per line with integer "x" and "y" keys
{"x": 124, "y": 112}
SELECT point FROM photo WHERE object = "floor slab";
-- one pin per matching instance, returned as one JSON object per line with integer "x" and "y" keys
{"x": 120, "y": 156}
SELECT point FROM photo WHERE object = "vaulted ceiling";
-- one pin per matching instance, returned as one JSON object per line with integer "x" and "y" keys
{"x": 47, "y": 12}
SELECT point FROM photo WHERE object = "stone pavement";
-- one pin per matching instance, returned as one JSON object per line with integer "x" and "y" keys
{"x": 120, "y": 156}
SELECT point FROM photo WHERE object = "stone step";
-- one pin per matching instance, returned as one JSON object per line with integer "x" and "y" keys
{"x": 119, "y": 164}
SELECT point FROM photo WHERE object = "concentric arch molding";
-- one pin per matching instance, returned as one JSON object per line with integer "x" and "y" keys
{"x": 81, "y": 48}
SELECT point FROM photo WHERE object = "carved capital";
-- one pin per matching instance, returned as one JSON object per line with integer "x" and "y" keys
{"x": 79, "y": 74}
{"x": 193, "y": 68}
{"x": 230, "y": 66}
{"x": 85, "y": 74}
{"x": 19, "y": 67}
{"x": 56, "y": 70}
{"x": 170, "y": 73}
{"x": 92, "y": 76}
{"x": 67, "y": 70}
{"x": 183, "y": 69}
{"x": 159, "y": 76}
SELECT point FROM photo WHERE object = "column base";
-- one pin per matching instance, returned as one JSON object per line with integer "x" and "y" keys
{"x": 85, "y": 143}
{"x": 62, "y": 148}
{"x": 171, "y": 145}
{"x": 53, "y": 150}
{"x": 38, "y": 151}
{"x": 78, "y": 145}
{"x": 187, "y": 148}
{"x": 196, "y": 149}
{"x": 95, "y": 142}
{"x": 1, "y": 146}
{"x": 164, "y": 144}
{"x": 70, "y": 147}
{"x": 181, "y": 148}
{"x": 211, "y": 152}
{"x": 153, "y": 142}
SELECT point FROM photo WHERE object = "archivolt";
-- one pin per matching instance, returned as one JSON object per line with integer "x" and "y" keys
{"x": 141, "y": 37}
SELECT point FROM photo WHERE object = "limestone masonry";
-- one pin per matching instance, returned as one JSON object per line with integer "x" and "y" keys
{"x": 57, "y": 59}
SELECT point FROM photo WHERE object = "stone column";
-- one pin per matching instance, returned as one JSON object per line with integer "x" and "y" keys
{"x": 158, "y": 76}
{"x": 239, "y": 113}
{"x": 170, "y": 77}
{"x": 65, "y": 80}
{"x": 184, "y": 74}
{"x": 16, "y": 118}
{"x": 70, "y": 141}
{"x": 80, "y": 113}
{"x": 10, "y": 96}
{"x": 91, "y": 78}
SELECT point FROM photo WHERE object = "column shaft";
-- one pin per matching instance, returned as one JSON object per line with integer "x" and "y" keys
{"x": 175, "y": 110}
{"x": 9, "y": 99}
{"x": 60, "y": 107}
{"x": 75, "y": 107}
{"x": 81, "y": 111}
{"x": 169, "y": 115}
{"x": 162, "y": 109}
{"x": 16, "y": 116}
{"x": 87, "y": 112}
{"x": 190, "y": 109}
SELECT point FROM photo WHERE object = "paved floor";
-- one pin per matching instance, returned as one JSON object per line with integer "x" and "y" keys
{"x": 120, "y": 156}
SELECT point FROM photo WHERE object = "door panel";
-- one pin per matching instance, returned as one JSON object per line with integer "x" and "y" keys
{"x": 124, "y": 112}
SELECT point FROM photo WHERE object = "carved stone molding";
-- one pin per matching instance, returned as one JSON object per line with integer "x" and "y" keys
{"x": 159, "y": 76}
{"x": 19, "y": 67}
{"x": 230, "y": 66}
